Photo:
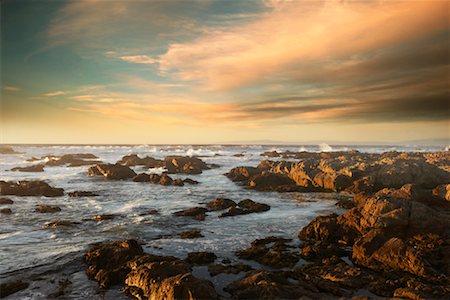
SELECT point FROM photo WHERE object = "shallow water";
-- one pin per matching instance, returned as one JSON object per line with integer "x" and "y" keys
{"x": 26, "y": 243}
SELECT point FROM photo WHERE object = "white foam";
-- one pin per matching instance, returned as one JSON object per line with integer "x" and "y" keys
{"x": 324, "y": 147}
{"x": 158, "y": 170}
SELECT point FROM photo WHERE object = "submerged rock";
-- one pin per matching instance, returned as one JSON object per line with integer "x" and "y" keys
{"x": 42, "y": 208}
{"x": 82, "y": 194}
{"x": 245, "y": 207}
{"x": 29, "y": 188}
{"x": 191, "y": 234}
{"x": 197, "y": 213}
{"x": 228, "y": 269}
{"x": 6, "y": 211}
{"x": 201, "y": 258}
{"x": 4, "y": 201}
{"x": 33, "y": 168}
{"x": 11, "y": 287}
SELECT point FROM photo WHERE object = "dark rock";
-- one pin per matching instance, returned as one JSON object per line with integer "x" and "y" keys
{"x": 228, "y": 269}
{"x": 190, "y": 181}
{"x": 134, "y": 160}
{"x": 61, "y": 223}
{"x": 271, "y": 251}
{"x": 47, "y": 209}
{"x": 272, "y": 182}
{"x": 5, "y": 201}
{"x": 239, "y": 155}
{"x": 150, "y": 212}
{"x": 442, "y": 192}
{"x": 72, "y": 160}
{"x": 33, "y": 168}
{"x": 190, "y": 234}
{"x": 201, "y": 258}
{"x": 184, "y": 164}
{"x": 102, "y": 217}
{"x": 108, "y": 262}
{"x": 234, "y": 211}
{"x": 178, "y": 182}
{"x": 63, "y": 284}
{"x": 197, "y": 213}
{"x": 165, "y": 180}
{"x": 253, "y": 206}
{"x": 29, "y": 188}
{"x": 11, "y": 287}
{"x": 6, "y": 211}
{"x": 111, "y": 171}
{"x": 242, "y": 173}
{"x": 82, "y": 194}
{"x": 220, "y": 204}
{"x": 142, "y": 177}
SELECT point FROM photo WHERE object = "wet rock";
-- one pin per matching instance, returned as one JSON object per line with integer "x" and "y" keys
{"x": 33, "y": 168}
{"x": 178, "y": 182}
{"x": 201, "y": 258}
{"x": 239, "y": 155}
{"x": 7, "y": 150}
{"x": 272, "y": 182}
{"x": 11, "y": 287}
{"x": 47, "y": 208}
{"x": 108, "y": 262}
{"x": 242, "y": 173}
{"x": 82, "y": 194}
{"x": 6, "y": 211}
{"x": 190, "y": 234}
{"x": 197, "y": 213}
{"x": 4, "y": 201}
{"x": 442, "y": 192}
{"x": 29, "y": 188}
{"x": 72, "y": 160}
{"x": 270, "y": 285}
{"x": 167, "y": 280}
{"x": 190, "y": 181}
{"x": 102, "y": 217}
{"x": 61, "y": 223}
{"x": 142, "y": 177}
{"x": 112, "y": 171}
{"x": 220, "y": 204}
{"x": 63, "y": 284}
{"x": 165, "y": 180}
{"x": 406, "y": 293}
{"x": 150, "y": 212}
{"x": 314, "y": 250}
{"x": 154, "y": 178}
{"x": 245, "y": 207}
{"x": 271, "y": 251}
{"x": 134, "y": 160}
{"x": 184, "y": 164}
{"x": 228, "y": 269}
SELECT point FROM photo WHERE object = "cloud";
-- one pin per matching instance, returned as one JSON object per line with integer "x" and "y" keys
{"x": 10, "y": 88}
{"x": 54, "y": 94}
{"x": 139, "y": 59}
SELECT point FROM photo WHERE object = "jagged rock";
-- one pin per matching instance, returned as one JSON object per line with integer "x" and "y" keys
{"x": 134, "y": 160}
{"x": 29, "y": 188}
{"x": 242, "y": 173}
{"x": 245, "y": 207}
{"x": 220, "y": 204}
{"x": 165, "y": 180}
{"x": 108, "y": 262}
{"x": 272, "y": 182}
{"x": 197, "y": 213}
{"x": 110, "y": 171}
{"x": 184, "y": 164}
{"x": 142, "y": 177}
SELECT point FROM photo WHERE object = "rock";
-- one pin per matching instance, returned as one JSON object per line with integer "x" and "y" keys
{"x": 102, "y": 217}
{"x": 134, "y": 160}
{"x": 191, "y": 234}
{"x": 322, "y": 228}
{"x": 190, "y": 181}
{"x": 253, "y": 206}
{"x": 7, "y": 150}
{"x": 165, "y": 180}
{"x": 271, "y": 251}
{"x": 272, "y": 182}
{"x": 108, "y": 262}
{"x": 72, "y": 160}
{"x": 82, "y": 194}
{"x": 220, "y": 204}
{"x": 228, "y": 269}
{"x": 47, "y": 209}
{"x": 4, "y": 201}
{"x": 197, "y": 213}
{"x": 142, "y": 177}
{"x": 150, "y": 212}
{"x": 242, "y": 173}
{"x": 318, "y": 250}
{"x": 234, "y": 211}
{"x": 167, "y": 280}
{"x": 61, "y": 223}
{"x": 270, "y": 285}
{"x": 442, "y": 192}
{"x": 333, "y": 181}
{"x": 201, "y": 258}
{"x": 111, "y": 171}
{"x": 29, "y": 188}
{"x": 406, "y": 293}
{"x": 11, "y": 287}
{"x": 63, "y": 284}
{"x": 178, "y": 182}
{"x": 154, "y": 178}
{"x": 33, "y": 168}
{"x": 184, "y": 164}
{"x": 6, "y": 211}
{"x": 239, "y": 155}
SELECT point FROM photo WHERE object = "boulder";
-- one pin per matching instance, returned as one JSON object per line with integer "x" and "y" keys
{"x": 29, "y": 188}
{"x": 220, "y": 204}
{"x": 108, "y": 262}
{"x": 165, "y": 180}
{"x": 184, "y": 164}
{"x": 6, "y": 211}
{"x": 134, "y": 160}
{"x": 272, "y": 182}
{"x": 142, "y": 177}
{"x": 190, "y": 181}
{"x": 442, "y": 192}
{"x": 228, "y": 269}
{"x": 201, "y": 258}
{"x": 242, "y": 173}
{"x": 112, "y": 171}
{"x": 178, "y": 182}
{"x": 197, "y": 213}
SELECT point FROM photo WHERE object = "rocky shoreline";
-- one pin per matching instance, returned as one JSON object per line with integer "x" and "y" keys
{"x": 393, "y": 241}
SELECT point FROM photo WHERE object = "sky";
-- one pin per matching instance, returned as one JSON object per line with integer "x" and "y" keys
{"x": 197, "y": 71}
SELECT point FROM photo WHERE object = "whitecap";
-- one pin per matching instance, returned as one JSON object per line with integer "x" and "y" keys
{"x": 324, "y": 147}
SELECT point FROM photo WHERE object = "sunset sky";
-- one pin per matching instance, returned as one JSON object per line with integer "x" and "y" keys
{"x": 223, "y": 71}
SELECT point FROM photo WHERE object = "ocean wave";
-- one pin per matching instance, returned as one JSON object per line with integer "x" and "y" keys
{"x": 324, "y": 147}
